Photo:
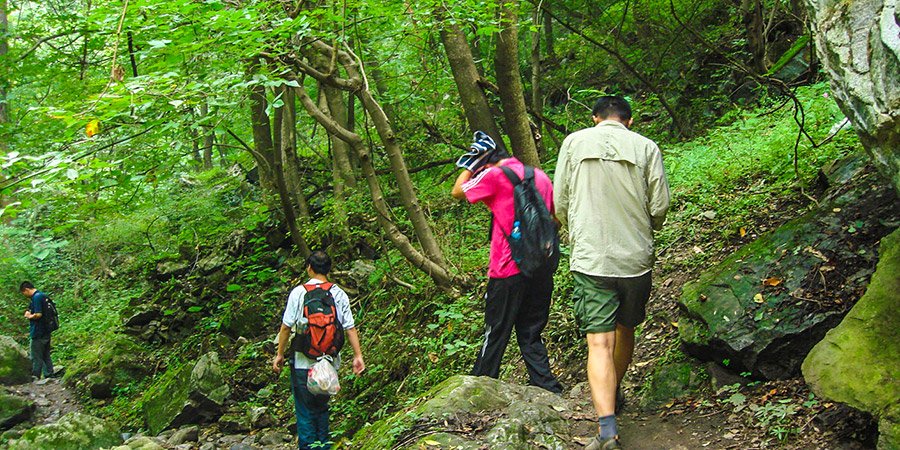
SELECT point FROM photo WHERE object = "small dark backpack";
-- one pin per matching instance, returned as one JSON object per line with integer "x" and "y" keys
{"x": 533, "y": 239}
{"x": 324, "y": 334}
{"x": 50, "y": 316}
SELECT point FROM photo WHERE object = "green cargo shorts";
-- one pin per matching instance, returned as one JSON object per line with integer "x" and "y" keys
{"x": 602, "y": 302}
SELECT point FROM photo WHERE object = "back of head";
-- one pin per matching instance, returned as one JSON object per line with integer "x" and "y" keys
{"x": 319, "y": 262}
{"x": 26, "y": 285}
{"x": 612, "y": 107}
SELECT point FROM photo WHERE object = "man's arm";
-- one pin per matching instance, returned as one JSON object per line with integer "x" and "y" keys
{"x": 283, "y": 334}
{"x": 30, "y": 316}
{"x": 658, "y": 186}
{"x": 457, "y": 191}
{"x": 358, "y": 364}
{"x": 561, "y": 185}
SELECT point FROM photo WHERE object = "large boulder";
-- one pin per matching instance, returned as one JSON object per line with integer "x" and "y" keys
{"x": 15, "y": 366}
{"x": 109, "y": 362}
{"x": 857, "y": 362}
{"x": 763, "y": 308}
{"x": 858, "y": 43}
{"x": 13, "y": 410}
{"x": 514, "y": 417}
{"x": 189, "y": 394}
{"x": 74, "y": 431}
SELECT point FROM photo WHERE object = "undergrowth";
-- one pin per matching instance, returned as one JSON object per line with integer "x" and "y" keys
{"x": 412, "y": 337}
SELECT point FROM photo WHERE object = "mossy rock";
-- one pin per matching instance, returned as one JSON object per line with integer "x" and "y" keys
{"x": 186, "y": 394}
{"x": 752, "y": 308}
{"x": 15, "y": 365}
{"x": 532, "y": 414}
{"x": 139, "y": 443}
{"x": 74, "y": 431}
{"x": 13, "y": 410}
{"x": 671, "y": 381}
{"x": 108, "y": 363}
{"x": 856, "y": 363}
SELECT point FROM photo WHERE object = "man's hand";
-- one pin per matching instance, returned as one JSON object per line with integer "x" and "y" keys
{"x": 358, "y": 365}
{"x": 278, "y": 363}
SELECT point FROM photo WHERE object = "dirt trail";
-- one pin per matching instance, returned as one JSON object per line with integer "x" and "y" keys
{"x": 52, "y": 400}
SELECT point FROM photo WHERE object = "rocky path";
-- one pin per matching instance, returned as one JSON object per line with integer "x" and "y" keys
{"x": 51, "y": 399}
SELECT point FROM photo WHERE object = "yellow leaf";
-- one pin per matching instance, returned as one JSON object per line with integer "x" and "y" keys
{"x": 772, "y": 281}
{"x": 743, "y": 232}
{"x": 431, "y": 442}
{"x": 92, "y": 128}
{"x": 758, "y": 298}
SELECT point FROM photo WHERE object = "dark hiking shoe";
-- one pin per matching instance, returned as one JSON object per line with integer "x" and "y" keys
{"x": 620, "y": 400}
{"x": 603, "y": 444}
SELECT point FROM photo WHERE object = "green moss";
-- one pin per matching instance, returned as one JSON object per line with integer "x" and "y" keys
{"x": 74, "y": 431}
{"x": 856, "y": 363}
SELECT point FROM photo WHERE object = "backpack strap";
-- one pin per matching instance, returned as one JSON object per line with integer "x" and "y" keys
{"x": 515, "y": 180}
{"x": 326, "y": 286}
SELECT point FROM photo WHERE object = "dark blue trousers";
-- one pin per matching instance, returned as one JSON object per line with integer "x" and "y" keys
{"x": 312, "y": 413}
{"x": 40, "y": 357}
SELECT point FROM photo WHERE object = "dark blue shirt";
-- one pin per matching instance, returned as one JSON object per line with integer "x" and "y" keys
{"x": 38, "y": 329}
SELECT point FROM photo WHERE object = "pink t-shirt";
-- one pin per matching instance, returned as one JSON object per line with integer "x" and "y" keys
{"x": 493, "y": 188}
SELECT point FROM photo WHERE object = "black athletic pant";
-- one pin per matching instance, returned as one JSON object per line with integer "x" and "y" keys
{"x": 523, "y": 303}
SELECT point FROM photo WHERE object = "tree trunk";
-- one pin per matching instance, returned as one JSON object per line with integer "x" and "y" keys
{"x": 754, "y": 25}
{"x": 208, "y": 138}
{"x": 465, "y": 74}
{"x": 340, "y": 150}
{"x": 436, "y": 271}
{"x": 4, "y": 107}
{"x": 288, "y": 128}
{"x": 292, "y": 176}
{"x": 262, "y": 139}
{"x": 506, "y": 67}
{"x": 537, "y": 95}
{"x": 195, "y": 150}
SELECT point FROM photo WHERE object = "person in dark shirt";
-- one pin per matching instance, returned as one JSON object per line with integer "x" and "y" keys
{"x": 40, "y": 335}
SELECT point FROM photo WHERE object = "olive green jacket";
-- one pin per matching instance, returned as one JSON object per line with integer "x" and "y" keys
{"x": 610, "y": 189}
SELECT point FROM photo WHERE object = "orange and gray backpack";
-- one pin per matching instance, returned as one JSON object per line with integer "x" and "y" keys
{"x": 324, "y": 334}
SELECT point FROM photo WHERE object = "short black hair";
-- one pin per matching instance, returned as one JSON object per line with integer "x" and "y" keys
{"x": 498, "y": 154}
{"x": 319, "y": 261}
{"x": 25, "y": 285}
{"x": 612, "y": 106}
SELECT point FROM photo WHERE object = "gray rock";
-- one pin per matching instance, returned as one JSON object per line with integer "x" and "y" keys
{"x": 525, "y": 417}
{"x": 360, "y": 271}
{"x": 212, "y": 263}
{"x": 720, "y": 377}
{"x": 242, "y": 446}
{"x": 166, "y": 270}
{"x": 184, "y": 434}
{"x": 274, "y": 438}
{"x": 752, "y": 308}
{"x": 858, "y": 44}
{"x": 14, "y": 410}
{"x": 234, "y": 423}
{"x": 15, "y": 365}
{"x": 74, "y": 431}
{"x": 856, "y": 363}
{"x": 189, "y": 394}
{"x": 207, "y": 446}
{"x": 261, "y": 418}
{"x": 708, "y": 215}
{"x": 140, "y": 443}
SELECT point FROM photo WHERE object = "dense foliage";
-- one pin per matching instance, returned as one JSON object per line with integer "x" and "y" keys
{"x": 130, "y": 141}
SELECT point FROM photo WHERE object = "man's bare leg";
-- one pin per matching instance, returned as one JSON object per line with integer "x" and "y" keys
{"x": 624, "y": 350}
{"x": 601, "y": 370}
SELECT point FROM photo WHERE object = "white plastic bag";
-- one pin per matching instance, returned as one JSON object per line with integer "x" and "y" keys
{"x": 323, "y": 379}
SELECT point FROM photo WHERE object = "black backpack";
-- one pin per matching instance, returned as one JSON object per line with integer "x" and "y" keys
{"x": 50, "y": 316}
{"x": 324, "y": 334}
{"x": 534, "y": 238}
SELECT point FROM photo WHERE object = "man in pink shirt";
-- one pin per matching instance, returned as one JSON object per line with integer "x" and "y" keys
{"x": 512, "y": 299}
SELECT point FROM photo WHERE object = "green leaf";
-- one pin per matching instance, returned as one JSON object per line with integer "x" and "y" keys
{"x": 194, "y": 309}
{"x": 233, "y": 287}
